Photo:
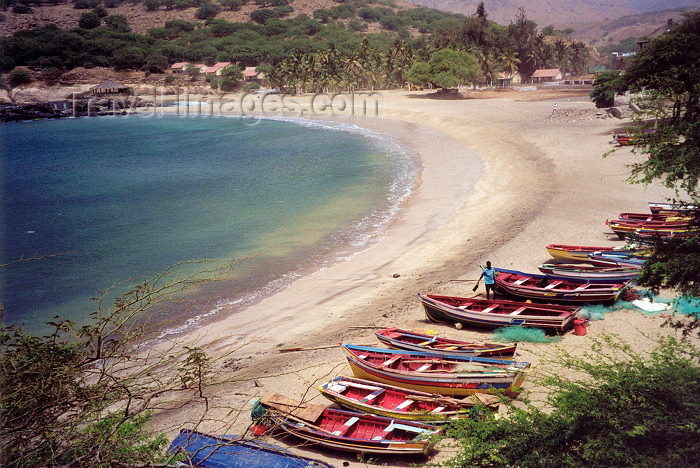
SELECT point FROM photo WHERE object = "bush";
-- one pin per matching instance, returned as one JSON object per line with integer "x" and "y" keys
{"x": 89, "y": 20}
{"x": 100, "y": 11}
{"x": 624, "y": 409}
{"x": 152, "y": 5}
{"x": 261, "y": 16}
{"x": 85, "y": 4}
{"x": 22, "y": 9}
{"x": 251, "y": 87}
{"x": 19, "y": 76}
{"x": 156, "y": 63}
{"x": 118, "y": 23}
{"x": 169, "y": 78}
{"x": 129, "y": 58}
{"x": 605, "y": 88}
{"x": 207, "y": 11}
{"x": 111, "y": 3}
{"x": 233, "y": 5}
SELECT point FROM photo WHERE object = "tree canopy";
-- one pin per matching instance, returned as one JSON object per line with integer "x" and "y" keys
{"x": 447, "y": 68}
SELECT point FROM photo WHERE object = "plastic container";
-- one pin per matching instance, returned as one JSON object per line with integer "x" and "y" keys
{"x": 580, "y": 327}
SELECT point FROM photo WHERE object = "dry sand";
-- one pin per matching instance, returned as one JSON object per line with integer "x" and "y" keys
{"x": 501, "y": 178}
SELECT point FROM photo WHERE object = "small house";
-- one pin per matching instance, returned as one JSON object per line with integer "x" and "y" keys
{"x": 546, "y": 75}
{"x": 178, "y": 67}
{"x": 250, "y": 74}
{"x": 508, "y": 79}
{"x": 109, "y": 87}
{"x": 216, "y": 69}
{"x": 199, "y": 67}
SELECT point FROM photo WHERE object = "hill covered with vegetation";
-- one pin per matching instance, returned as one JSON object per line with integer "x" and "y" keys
{"x": 351, "y": 43}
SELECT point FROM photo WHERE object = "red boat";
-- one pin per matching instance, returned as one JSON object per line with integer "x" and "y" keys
{"x": 494, "y": 314}
{"x": 414, "y": 341}
{"x": 401, "y": 403}
{"x": 347, "y": 430}
{"x": 557, "y": 289}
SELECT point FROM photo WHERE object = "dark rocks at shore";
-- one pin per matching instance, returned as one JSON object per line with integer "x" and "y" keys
{"x": 66, "y": 108}
{"x": 14, "y": 113}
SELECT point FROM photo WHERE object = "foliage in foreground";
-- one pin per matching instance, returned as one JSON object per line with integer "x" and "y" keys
{"x": 628, "y": 410}
{"x": 83, "y": 396}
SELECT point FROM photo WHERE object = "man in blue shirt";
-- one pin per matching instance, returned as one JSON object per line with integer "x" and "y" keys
{"x": 488, "y": 275}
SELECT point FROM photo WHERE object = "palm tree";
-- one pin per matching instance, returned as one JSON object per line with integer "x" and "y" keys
{"x": 509, "y": 62}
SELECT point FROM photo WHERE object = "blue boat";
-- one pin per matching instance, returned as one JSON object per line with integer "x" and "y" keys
{"x": 231, "y": 451}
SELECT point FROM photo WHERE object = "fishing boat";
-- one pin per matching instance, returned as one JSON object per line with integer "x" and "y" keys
{"x": 557, "y": 288}
{"x": 231, "y": 451}
{"x": 630, "y": 138}
{"x": 589, "y": 271}
{"x": 498, "y": 313}
{"x": 600, "y": 259}
{"x": 623, "y": 228}
{"x": 434, "y": 373}
{"x": 411, "y": 340}
{"x": 630, "y": 216}
{"x": 401, "y": 403}
{"x": 580, "y": 252}
{"x": 672, "y": 208}
{"x": 347, "y": 430}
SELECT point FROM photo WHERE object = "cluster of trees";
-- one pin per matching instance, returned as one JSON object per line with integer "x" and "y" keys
{"x": 302, "y": 44}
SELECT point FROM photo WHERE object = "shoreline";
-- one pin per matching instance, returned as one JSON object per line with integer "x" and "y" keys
{"x": 542, "y": 181}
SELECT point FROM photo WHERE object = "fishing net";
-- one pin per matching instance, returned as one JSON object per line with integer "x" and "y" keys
{"x": 646, "y": 303}
{"x": 533, "y": 335}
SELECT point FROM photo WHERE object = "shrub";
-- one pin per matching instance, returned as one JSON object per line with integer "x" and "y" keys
{"x": 169, "y": 78}
{"x": 111, "y": 3}
{"x": 233, "y": 5}
{"x": 100, "y": 11}
{"x": 89, "y": 20}
{"x": 261, "y": 16}
{"x": 118, "y": 23}
{"x": 207, "y": 11}
{"x": 19, "y": 76}
{"x": 251, "y": 87}
{"x": 152, "y": 5}
{"x": 85, "y": 4}
{"x": 156, "y": 63}
{"x": 22, "y": 9}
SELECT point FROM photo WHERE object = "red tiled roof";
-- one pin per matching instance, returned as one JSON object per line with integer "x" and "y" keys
{"x": 250, "y": 71}
{"x": 178, "y": 65}
{"x": 217, "y": 66}
{"x": 545, "y": 73}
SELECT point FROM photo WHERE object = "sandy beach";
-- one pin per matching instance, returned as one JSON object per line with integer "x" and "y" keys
{"x": 500, "y": 179}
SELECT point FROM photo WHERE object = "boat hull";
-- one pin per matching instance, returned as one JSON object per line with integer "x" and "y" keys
{"x": 422, "y": 406}
{"x": 552, "y": 318}
{"x": 414, "y": 341}
{"x": 210, "y": 451}
{"x": 558, "y": 289}
{"x": 441, "y": 381}
{"x": 340, "y": 437}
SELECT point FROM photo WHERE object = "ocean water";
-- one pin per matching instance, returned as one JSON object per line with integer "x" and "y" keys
{"x": 94, "y": 202}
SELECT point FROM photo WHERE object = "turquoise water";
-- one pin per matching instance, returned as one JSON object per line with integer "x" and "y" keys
{"x": 126, "y": 197}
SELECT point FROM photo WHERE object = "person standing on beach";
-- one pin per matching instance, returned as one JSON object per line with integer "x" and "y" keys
{"x": 489, "y": 274}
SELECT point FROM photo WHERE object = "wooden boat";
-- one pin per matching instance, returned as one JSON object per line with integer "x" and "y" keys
{"x": 580, "y": 252}
{"x": 614, "y": 261}
{"x": 624, "y": 228}
{"x": 498, "y": 313}
{"x": 672, "y": 208}
{"x": 629, "y": 216}
{"x": 557, "y": 288}
{"x": 400, "y": 403}
{"x": 231, "y": 451}
{"x": 434, "y": 373}
{"x": 665, "y": 233}
{"x": 589, "y": 271}
{"x": 405, "y": 339}
{"x": 347, "y": 430}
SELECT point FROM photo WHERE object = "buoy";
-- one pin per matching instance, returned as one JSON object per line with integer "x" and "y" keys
{"x": 458, "y": 325}
{"x": 259, "y": 429}
{"x": 580, "y": 327}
